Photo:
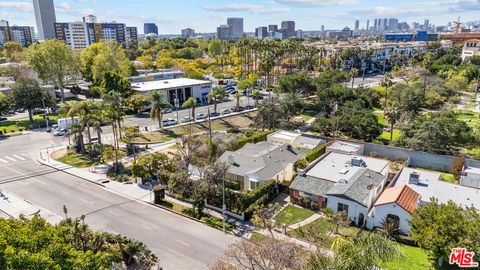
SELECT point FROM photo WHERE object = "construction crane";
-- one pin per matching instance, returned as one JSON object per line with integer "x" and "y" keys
{"x": 458, "y": 25}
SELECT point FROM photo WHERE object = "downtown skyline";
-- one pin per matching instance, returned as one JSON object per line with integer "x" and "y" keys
{"x": 171, "y": 17}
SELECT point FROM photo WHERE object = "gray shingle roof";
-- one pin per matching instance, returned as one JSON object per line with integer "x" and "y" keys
{"x": 311, "y": 185}
{"x": 308, "y": 141}
{"x": 357, "y": 187}
{"x": 261, "y": 161}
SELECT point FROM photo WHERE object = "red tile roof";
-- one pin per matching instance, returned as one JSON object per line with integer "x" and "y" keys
{"x": 403, "y": 196}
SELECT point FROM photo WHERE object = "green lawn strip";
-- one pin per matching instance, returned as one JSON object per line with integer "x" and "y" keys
{"x": 209, "y": 220}
{"x": 21, "y": 124}
{"x": 258, "y": 237}
{"x": 413, "y": 258}
{"x": 446, "y": 176}
{"x": 291, "y": 215}
{"x": 385, "y": 136}
{"x": 77, "y": 160}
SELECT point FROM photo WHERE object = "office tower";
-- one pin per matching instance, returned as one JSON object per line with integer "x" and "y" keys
{"x": 322, "y": 28}
{"x": 90, "y": 19}
{"x": 299, "y": 34}
{"x": 224, "y": 32}
{"x": 375, "y": 24}
{"x": 45, "y": 18}
{"x": 385, "y": 24}
{"x": 149, "y": 28}
{"x": 188, "y": 33}
{"x": 24, "y": 35}
{"x": 273, "y": 28}
{"x": 236, "y": 24}
{"x": 288, "y": 29}
{"x": 261, "y": 32}
{"x": 357, "y": 25}
{"x": 392, "y": 24}
{"x": 131, "y": 33}
{"x": 426, "y": 24}
{"x": 368, "y": 25}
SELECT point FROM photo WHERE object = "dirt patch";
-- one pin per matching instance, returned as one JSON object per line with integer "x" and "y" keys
{"x": 58, "y": 154}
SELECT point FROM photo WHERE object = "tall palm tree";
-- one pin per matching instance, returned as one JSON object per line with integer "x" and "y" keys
{"x": 74, "y": 110}
{"x": 237, "y": 97}
{"x": 191, "y": 103}
{"x": 255, "y": 95}
{"x": 392, "y": 113}
{"x": 158, "y": 105}
{"x": 353, "y": 74}
{"x": 386, "y": 82}
{"x": 217, "y": 94}
{"x": 116, "y": 101}
{"x": 86, "y": 112}
{"x": 98, "y": 119}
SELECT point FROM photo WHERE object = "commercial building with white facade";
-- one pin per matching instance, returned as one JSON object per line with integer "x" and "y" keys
{"x": 181, "y": 89}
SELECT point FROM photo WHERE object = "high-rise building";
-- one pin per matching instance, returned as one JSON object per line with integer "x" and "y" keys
{"x": 368, "y": 25}
{"x": 24, "y": 35}
{"x": 236, "y": 24}
{"x": 392, "y": 24}
{"x": 188, "y": 33}
{"x": 90, "y": 19}
{"x": 79, "y": 35}
{"x": 273, "y": 28}
{"x": 224, "y": 32}
{"x": 45, "y": 18}
{"x": 385, "y": 24}
{"x": 299, "y": 34}
{"x": 375, "y": 24}
{"x": 288, "y": 29}
{"x": 357, "y": 25}
{"x": 149, "y": 28}
{"x": 322, "y": 28}
{"x": 426, "y": 24}
{"x": 261, "y": 32}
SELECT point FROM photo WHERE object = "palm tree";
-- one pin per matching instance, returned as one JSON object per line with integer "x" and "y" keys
{"x": 191, "y": 103}
{"x": 255, "y": 95}
{"x": 392, "y": 113}
{"x": 86, "y": 111}
{"x": 73, "y": 111}
{"x": 386, "y": 82}
{"x": 158, "y": 105}
{"x": 98, "y": 118}
{"x": 116, "y": 101}
{"x": 237, "y": 97}
{"x": 217, "y": 94}
{"x": 353, "y": 74}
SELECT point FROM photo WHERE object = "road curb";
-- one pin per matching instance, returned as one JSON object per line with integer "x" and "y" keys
{"x": 132, "y": 198}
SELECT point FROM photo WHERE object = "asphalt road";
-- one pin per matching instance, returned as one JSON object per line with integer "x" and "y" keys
{"x": 179, "y": 242}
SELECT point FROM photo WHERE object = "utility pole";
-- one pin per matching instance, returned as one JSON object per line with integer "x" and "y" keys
{"x": 336, "y": 121}
{"x": 209, "y": 127}
{"x": 224, "y": 207}
{"x": 45, "y": 112}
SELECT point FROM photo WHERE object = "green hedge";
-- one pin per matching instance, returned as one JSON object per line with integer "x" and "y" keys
{"x": 255, "y": 138}
{"x": 315, "y": 153}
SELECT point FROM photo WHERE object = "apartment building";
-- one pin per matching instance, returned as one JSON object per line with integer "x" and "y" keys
{"x": 24, "y": 35}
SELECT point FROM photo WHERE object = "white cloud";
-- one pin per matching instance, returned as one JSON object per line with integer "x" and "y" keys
{"x": 249, "y": 8}
{"x": 315, "y": 3}
{"x": 63, "y": 6}
{"x": 17, "y": 5}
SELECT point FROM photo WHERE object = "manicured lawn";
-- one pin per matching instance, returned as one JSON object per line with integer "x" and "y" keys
{"x": 22, "y": 124}
{"x": 385, "y": 136}
{"x": 448, "y": 177}
{"x": 381, "y": 119}
{"x": 77, "y": 160}
{"x": 291, "y": 215}
{"x": 413, "y": 258}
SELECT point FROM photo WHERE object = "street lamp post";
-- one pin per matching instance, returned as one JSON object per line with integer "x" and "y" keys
{"x": 224, "y": 207}
{"x": 45, "y": 111}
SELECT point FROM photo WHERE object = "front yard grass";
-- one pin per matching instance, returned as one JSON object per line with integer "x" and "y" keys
{"x": 77, "y": 160}
{"x": 414, "y": 258}
{"x": 291, "y": 215}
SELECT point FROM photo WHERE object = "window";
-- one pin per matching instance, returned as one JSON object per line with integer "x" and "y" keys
{"x": 393, "y": 219}
{"x": 342, "y": 207}
{"x": 253, "y": 185}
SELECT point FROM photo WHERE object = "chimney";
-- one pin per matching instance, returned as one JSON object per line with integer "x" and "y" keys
{"x": 414, "y": 178}
{"x": 231, "y": 159}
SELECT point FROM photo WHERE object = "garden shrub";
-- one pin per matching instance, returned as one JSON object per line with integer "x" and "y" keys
{"x": 315, "y": 153}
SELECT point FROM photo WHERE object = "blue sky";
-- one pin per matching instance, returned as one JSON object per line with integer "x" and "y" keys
{"x": 204, "y": 16}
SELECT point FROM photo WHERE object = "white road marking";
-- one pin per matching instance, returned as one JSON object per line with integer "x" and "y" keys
{"x": 113, "y": 213}
{"x": 85, "y": 201}
{"x": 66, "y": 193}
{"x": 19, "y": 157}
{"x": 9, "y": 158}
{"x": 38, "y": 181}
{"x": 146, "y": 227}
{"x": 3, "y": 160}
{"x": 183, "y": 243}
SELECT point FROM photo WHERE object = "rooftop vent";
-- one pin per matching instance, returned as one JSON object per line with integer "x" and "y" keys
{"x": 231, "y": 159}
{"x": 414, "y": 178}
{"x": 357, "y": 162}
{"x": 343, "y": 181}
{"x": 344, "y": 171}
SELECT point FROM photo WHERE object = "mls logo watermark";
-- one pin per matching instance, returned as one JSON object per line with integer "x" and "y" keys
{"x": 462, "y": 258}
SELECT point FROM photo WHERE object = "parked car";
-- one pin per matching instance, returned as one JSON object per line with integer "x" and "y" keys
{"x": 249, "y": 107}
{"x": 187, "y": 119}
{"x": 239, "y": 109}
{"x": 20, "y": 110}
{"x": 167, "y": 110}
{"x": 38, "y": 111}
{"x": 214, "y": 114}
{"x": 60, "y": 132}
{"x": 225, "y": 111}
{"x": 169, "y": 122}
{"x": 200, "y": 116}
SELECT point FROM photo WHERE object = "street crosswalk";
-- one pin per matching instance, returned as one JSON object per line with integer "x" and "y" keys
{"x": 13, "y": 158}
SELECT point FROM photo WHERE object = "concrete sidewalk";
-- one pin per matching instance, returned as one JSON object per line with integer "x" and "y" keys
{"x": 304, "y": 222}
{"x": 13, "y": 206}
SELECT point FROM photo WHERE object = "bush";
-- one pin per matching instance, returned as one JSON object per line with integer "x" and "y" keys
{"x": 254, "y": 138}
{"x": 117, "y": 171}
{"x": 327, "y": 212}
{"x": 406, "y": 240}
{"x": 315, "y": 153}
{"x": 300, "y": 164}
{"x": 234, "y": 130}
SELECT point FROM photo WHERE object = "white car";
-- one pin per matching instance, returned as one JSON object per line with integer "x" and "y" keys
{"x": 60, "y": 132}
{"x": 169, "y": 122}
{"x": 187, "y": 119}
{"x": 225, "y": 111}
{"x": 167, "y": 110}
{"x": 200, "y": 116}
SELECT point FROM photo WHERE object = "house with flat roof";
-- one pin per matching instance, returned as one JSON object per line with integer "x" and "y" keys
{"x": 470, "y": 177}
{"x": 346, "y": 148}
{"x": 302, "y": 142}
{"x": 179, "y": 88}
{"x": 426, "y": 185}
{"x": 254, "y": 164}
{"x": 343, "y": 182}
